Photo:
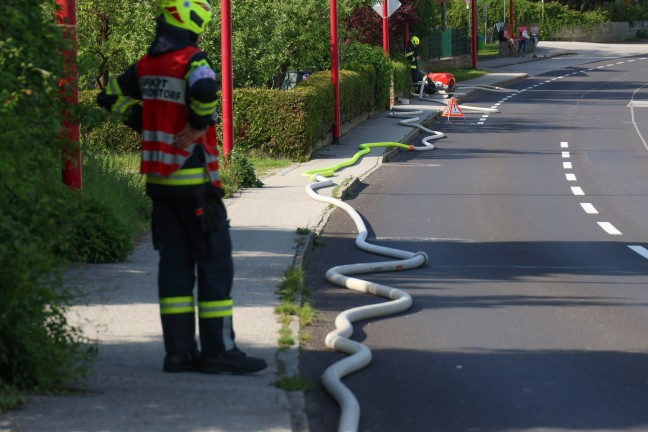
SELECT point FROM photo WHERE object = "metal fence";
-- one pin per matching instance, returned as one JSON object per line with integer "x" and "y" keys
{"x": 447, "y": 43}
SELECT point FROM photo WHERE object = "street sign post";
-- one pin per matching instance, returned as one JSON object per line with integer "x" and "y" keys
{"x": 385, "y": 9}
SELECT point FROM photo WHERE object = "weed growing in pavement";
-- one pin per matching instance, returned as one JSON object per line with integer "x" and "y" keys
{"x": 303, "y": 231}
{"x": 294, "y": 383}
{"x": 293, "y": 294}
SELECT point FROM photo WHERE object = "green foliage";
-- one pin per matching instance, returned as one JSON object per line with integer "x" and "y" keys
{"x": 357, "y": 92}
{"x": 294, "y": 296}
{"x": 268, "y": 38}
{"x": 429, "y": 13}
{"x": 556, "y": 16}
{"x": 402, "y": 78}
{"x": 357, "y": 53}
{"x": 623, "y": 11}
{"x": 99, "y": 236}
{"x": 9, "y": 397}
{"x": 284, "y": 123}
{"x": 112, "y": 35}
{"x": 237, "y": 172}
{"x": 294, "y": 383}
{"x": 38, "y": 347}
{"x": 114, "y": 179}
{"x": 101, "y": 131}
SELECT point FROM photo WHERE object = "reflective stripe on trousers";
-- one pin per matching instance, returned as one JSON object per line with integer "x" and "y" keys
{"x": 215, "y": 309}
{"x": 176, "y": 305}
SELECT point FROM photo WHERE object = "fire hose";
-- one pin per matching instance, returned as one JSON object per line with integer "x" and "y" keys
{"x": 339, "y": 339}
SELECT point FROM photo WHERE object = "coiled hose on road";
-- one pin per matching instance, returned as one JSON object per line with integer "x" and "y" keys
{"x": 410, "y": 119}
{"x": 339, "y": 339}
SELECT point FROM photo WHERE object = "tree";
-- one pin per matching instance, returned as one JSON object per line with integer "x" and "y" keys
{"x": 268, "y": 37}
{"x": 367, "y": 24}
{"x": 112, "y": 35}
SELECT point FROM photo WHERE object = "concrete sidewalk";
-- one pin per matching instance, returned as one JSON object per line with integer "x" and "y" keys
{"x": 129, "y": 391}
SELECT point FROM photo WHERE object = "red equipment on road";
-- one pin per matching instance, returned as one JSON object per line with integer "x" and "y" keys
{"x": 435, "y": 81}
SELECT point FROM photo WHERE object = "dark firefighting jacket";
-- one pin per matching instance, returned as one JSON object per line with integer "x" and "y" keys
{"x": 411, "y": 54}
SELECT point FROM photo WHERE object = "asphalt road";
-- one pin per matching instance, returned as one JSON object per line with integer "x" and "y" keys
{"x": 532, "y": 313}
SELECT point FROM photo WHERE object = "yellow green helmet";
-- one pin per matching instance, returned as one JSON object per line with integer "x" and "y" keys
{"x": 192, "y": 15}
{"x": 415, "y": 40}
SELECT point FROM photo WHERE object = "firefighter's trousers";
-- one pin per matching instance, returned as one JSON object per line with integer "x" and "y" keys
{"x": 186, "y": 253}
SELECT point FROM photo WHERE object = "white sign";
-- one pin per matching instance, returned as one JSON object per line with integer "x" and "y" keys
{"x": 392, "y": 5}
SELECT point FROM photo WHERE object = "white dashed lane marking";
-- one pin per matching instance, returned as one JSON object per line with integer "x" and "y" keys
{"x": 589, "y": 208}
{"x": 576, "y": 190}
{"x": 609, "y": 228}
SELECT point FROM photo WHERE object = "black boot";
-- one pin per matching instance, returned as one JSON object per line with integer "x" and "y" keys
{"x": 181, "y": 362}
{"x": 233, "y": 361}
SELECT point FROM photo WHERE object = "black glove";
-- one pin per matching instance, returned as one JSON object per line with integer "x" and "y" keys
{"x": 213, "y": 208}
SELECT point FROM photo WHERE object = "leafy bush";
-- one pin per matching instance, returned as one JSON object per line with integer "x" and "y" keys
{"x": 559, "y": 17}
{"x": 38, "y": 347}
{"x": 357, "y": 92}
{"x": 114, "y": 179}
{"x": 402, "y": 78}
{"x": 556, "y": 16}
{"x": 102, "y": 131}
{"x": 284, "y": 123}
{"x": 622, "y": 11}
{"x": 357, "y": 53}
{"x": 99, "y": 236}
{"x": 238, "y": 173}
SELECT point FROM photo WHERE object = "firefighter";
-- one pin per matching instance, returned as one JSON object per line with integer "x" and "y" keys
{"x": 411, "y": 54}
{"x": 170, "y": 97}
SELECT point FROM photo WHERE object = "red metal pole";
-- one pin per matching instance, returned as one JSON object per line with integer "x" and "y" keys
{"x": 335, "y": 79}
{"x": 226, "y": 78}
{"x": 66, "y": 18}
{"x": 473, "y": 5}
{"x": 385, "y": 27}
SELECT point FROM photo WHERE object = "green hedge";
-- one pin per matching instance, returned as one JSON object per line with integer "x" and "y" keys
{"x": 402, "y": 78}
{"x": 283, "y": 123}
{"x": 357, "y": 93}
{"x": 268, "y": 122}
{"x": 290, "y": 123}
{"x": 280, "y": 123}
